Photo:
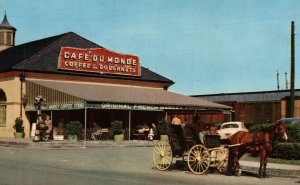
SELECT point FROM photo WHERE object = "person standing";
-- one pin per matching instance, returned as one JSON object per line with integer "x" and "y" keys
{"x": 97, "y": 130}
{"x": 178, "y": 129}
{"x": 48, "y": 123}
{"x": 176, "y": 120}
{"x": 61, "y": 127}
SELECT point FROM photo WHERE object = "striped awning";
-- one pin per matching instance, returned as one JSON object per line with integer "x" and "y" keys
{"x": 109, "y": 96}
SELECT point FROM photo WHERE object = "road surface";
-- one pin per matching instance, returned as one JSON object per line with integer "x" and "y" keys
{"x": 105, "y": 165}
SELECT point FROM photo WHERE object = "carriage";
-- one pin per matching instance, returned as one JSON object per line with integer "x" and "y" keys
{"x": 199, "y": 156}
{"x": 184, "y": 143}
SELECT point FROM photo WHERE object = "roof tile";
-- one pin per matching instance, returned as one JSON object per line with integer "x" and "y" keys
{"x": 42, "y": 56}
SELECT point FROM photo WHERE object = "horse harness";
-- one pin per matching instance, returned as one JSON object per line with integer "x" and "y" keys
{"x": 259, "y": 142}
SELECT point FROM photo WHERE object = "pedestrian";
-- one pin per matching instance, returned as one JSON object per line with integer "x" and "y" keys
{"x": 97, "y": 130}
{"x": 176, "y": 120}
{"x": 48, "y": 123}
{"x": 61, "y": 127}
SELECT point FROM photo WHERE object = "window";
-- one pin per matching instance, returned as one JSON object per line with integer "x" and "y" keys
{"x": 8, "y": 38}
{"x": 2, "y": 37}
{"x": 230, "y": 126}
{"x": 2, "y": 108}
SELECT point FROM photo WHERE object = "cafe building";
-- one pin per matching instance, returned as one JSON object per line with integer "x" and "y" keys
{"x": 80, "y": 80}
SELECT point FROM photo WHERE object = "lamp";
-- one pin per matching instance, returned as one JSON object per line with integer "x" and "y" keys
{"x": 24, "y": 101}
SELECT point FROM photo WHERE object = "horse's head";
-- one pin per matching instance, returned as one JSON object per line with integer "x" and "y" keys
{"x": 280, "y": 129}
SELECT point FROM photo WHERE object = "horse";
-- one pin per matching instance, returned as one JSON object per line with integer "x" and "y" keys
{"x": 246, "y": 142}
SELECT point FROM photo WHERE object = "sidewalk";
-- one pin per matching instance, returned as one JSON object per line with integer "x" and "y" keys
{"x": 28, "y": 143}
{"x": 271, "y": 165}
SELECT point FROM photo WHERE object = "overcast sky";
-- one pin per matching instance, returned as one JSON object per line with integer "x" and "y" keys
{"x": 204, "y": 46}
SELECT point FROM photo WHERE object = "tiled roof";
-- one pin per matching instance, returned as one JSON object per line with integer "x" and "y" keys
{"x": 5, "y": 24}
{"x": 123, "y": 94}
{"x": 42, "y": 56}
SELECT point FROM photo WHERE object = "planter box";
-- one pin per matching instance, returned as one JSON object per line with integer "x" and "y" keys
{"x": 72, "y": 138}
{"x": 119, "y": 138}
{"x": 19, "y": 135}
{"x": 58, "y": 138}
{"x": 164, "y": 138}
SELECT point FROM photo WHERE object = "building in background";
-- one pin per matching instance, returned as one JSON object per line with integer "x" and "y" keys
{"x": 256, "y": 107}
{"x": 82, "y": 81}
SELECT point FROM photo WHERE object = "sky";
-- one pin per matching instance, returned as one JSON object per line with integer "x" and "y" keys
{"x": 204, "y": 46}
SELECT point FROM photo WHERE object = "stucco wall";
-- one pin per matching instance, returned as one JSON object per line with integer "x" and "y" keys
{"x": 12, "y": 89}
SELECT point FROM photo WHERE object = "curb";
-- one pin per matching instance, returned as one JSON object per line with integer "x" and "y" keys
{"x": 254, "y": 174}
{"x": 69, "y": 145}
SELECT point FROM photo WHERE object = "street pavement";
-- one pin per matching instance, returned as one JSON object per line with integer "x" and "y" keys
{"x": 28, "y": 143}
{"x": 109, "y": 165}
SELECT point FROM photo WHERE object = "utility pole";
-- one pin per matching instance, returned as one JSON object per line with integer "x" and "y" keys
{"x": 286, "y": 81}
{"x": 278, "y": 80}
{"x": 292, "y": 103}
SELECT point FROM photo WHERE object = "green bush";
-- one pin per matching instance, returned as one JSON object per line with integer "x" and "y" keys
{"x": 117, "y": 127}
{"x": 162, "y": 127}
{"x": 19, "y": 125}
{"x": 293, "y": 132}
{"x": 286, "y": 151}
{"x": 258, "y": 127}
{"x": 73, "y": 128}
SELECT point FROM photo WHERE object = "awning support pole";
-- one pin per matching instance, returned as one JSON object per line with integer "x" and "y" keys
{"x": 129, "y": 124}
{"x": 85, "y": 119}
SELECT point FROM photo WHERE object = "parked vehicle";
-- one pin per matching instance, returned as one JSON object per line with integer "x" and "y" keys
{"x": 295, "y": 120}
{"x": 227, "y": 129}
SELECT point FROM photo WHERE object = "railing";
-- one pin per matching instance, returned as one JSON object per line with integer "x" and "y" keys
{"x": 96, "y": 134}
{"x": 93, "y": 134}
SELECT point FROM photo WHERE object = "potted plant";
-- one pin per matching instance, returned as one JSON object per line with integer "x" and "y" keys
{"x": 73, "y": 128}
{"x": 162, "y": 130}
{"x": 117, "y": 129}
{"x": 19, "y": 128}
{"x": 41, "y": 127}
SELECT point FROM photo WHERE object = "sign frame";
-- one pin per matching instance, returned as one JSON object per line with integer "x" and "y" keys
{"x": 98, "y": 60}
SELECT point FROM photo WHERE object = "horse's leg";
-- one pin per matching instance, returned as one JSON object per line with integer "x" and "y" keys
{"x": 232, "y": 160}
{"x": 262, "y": 161}
{"x": 265, "y": 165}
{"x": 241, "y": 152}
{"x": 235, "y": 159}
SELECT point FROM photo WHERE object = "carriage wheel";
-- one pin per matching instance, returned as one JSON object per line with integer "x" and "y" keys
{"x": 162, "y": 155}
{"x": 198, "y": 159}
{"x": 222, "y": 158}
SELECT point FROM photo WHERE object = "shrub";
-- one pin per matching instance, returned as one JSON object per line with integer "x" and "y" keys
{"x": 73, "y": 128}
{"x": 117, "y": 127}
{"x": 162, "y": 127}
{"x": 286, "y": 151}
{"x": 293, "y": 132}
{"x": 259, "y": 127}
{"x": 19, "y": 125}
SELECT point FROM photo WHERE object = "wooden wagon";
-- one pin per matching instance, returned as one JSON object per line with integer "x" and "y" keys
{"x": 185, "y": 143}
